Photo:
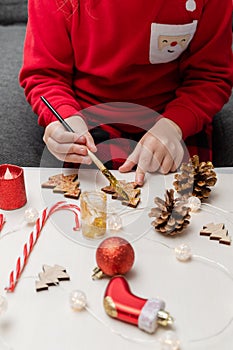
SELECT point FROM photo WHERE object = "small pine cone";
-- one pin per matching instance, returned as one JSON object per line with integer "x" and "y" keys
{"x": 171, "y": 216}
{"x": 195, "y": 179}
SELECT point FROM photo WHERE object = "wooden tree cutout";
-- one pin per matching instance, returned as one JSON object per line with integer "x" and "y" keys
{"x": 66, "y": 184}
{"x": 51, "y": 277}
{"x": 216, "y": 232}
{"x": 131, "y": 188}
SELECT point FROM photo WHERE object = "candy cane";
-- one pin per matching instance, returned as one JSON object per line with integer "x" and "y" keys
{"x": 28, "y": 247}
{"x": 2, "y": 221}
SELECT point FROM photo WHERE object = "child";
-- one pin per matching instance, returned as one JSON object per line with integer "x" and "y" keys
{"x": 151, "y": 72}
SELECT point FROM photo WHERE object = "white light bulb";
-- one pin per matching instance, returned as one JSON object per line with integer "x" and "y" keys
{"x": 114, "y": 222}
{"x": 194, "y": 203}
{"x": 78, "y": 300}
{"x": 31, "y": 215}
{"x": 183, "y": 252}
{"x": 169, "y": 341}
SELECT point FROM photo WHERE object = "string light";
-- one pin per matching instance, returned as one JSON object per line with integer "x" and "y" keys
{"x": 78, "y": 300}
{"x": 169, "y": 341}
{"x": 30, "y": 215}
{"x": 183, "y": 252}
{"x": 114, "y": 222}
{"x": 194, "y": 204}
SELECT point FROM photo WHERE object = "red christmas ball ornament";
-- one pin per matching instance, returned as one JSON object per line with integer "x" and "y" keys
{"x": 114, "y": 256}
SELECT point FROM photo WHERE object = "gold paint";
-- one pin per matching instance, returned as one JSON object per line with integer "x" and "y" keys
{"x": 110, "y": 307}
{"x": 93, "y": 203}
{"x": 115, "y": 184}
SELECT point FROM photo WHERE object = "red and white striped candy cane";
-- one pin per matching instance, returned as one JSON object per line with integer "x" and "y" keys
{"x": 2, "y": 221}
{"x": 27, "y": 249}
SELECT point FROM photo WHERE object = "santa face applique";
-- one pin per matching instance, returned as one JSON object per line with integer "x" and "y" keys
{"x": 168, "y": 42}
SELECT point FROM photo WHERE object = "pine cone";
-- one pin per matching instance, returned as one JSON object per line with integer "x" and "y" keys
{"x": 171, "y": 215}
{"x": 195, "y": 179}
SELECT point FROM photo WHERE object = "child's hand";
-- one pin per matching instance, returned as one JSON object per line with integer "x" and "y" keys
{"x": 68, "y": 146}
{"x": 159, "y": 149}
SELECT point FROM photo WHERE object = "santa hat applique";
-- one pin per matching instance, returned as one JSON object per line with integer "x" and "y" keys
{"x": 190, "y": 5}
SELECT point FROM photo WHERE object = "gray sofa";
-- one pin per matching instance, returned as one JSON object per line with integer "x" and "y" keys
{"x": 20, "y": 136}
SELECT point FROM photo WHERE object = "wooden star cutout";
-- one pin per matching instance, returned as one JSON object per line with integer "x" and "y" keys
{"x": 51, "y": 277}
{"x": 216, "y": 232}
{"x": 67, "y": 184}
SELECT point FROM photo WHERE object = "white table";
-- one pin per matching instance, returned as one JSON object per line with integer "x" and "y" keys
{"x": 198, "y": 294}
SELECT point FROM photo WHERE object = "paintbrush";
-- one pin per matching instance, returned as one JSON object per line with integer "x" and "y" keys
{"x": 111, "y": 178}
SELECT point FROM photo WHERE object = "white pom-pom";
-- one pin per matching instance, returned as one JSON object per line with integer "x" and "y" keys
{"x": 191, "y": 5}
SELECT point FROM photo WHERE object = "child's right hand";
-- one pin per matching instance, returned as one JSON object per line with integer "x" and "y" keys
{"x": 67, "y": 146}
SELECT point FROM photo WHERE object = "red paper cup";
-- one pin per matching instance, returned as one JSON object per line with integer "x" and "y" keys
{"x": 12, "y": 188}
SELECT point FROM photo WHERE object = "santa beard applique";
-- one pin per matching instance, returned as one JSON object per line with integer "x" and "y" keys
{"x": 169, "y": 41}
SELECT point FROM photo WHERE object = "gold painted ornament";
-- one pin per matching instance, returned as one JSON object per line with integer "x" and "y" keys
{"x": 195, "y": 178}
{"x": 131, "y": 188}
{"x": 66, "y": 184}
{"x": 171, "y": 215}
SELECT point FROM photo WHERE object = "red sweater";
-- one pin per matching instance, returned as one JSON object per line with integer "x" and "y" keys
{"x": 154, "y": 53}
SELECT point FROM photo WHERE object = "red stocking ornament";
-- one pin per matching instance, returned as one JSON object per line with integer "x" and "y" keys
{"x": 120, "y": 303}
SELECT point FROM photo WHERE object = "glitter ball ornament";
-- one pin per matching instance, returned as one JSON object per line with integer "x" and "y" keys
{"x": 78, "y": 300}
{"x": 30, "y": 215}
{"x": 194, "y": 203}
{"x": 169, "y": 341}
{"x": 114, "y": 256}
{"x": 183, "y": 252}
{"x": 3, "y": 304}
{"x": 114, "y": 222}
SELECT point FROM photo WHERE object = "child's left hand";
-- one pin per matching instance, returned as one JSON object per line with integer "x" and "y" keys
{"x": 159, "y": 149}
